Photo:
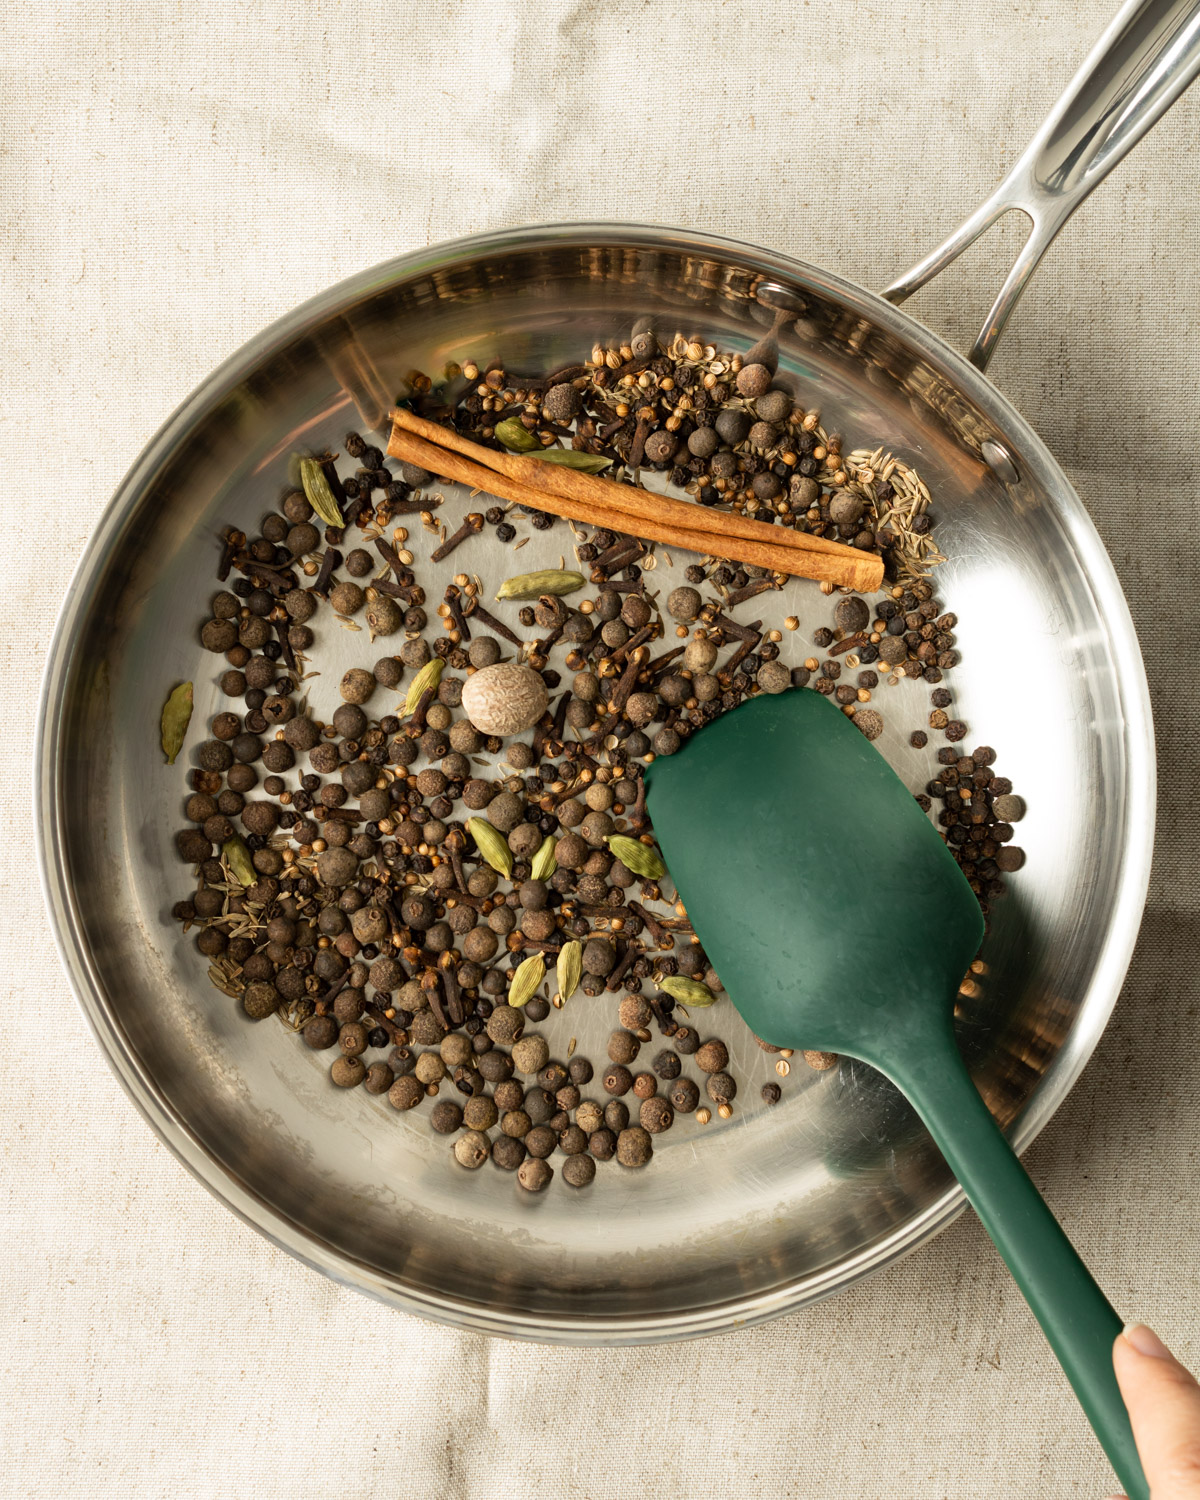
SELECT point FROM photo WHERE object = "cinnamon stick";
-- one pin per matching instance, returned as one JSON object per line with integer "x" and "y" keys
{"x": 677, "y": 523}
{"x": 572, "y": 484}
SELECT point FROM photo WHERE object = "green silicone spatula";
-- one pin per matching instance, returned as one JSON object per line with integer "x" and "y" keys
{"x": 775, "y": 822}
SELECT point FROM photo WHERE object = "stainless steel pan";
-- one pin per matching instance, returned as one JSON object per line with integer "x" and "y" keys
{"x": 735, "y": 1222}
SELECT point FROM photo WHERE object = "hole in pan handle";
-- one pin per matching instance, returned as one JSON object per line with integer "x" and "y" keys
{"x": 1135, "y": 72}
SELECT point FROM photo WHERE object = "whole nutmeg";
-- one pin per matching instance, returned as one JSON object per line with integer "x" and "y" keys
{"x": 505, "y": 699}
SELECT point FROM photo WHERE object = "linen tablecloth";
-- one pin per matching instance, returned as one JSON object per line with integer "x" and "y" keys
{"x": 174, "y": 177}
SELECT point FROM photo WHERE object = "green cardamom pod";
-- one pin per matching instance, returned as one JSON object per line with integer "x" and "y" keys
{"x": 534, "y": 585}
{"x": 176, "y": 716}
{"x": 428, "y": 677}
{"x": 636, "y": 856}
{"x": 570, "y": 969}
{"x": 318, "y": 493}
{"x": 492, "y": 844}
{"x": 237, "y": 857}
{"x": 544, "y": 864}
{"x": 526, "y": 978}
{"x": 568, "y": 458}
{"x": 688, "y": 991}
{"x": 515, "y": 436}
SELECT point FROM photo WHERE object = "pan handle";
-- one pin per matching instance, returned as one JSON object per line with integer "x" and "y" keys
{"x": 1136, "y": 71}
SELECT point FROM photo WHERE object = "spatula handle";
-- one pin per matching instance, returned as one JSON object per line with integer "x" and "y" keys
{"x": 1075, "y": 1315}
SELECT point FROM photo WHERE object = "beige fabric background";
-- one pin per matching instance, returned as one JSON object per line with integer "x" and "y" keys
{"x": 177, "y": 175}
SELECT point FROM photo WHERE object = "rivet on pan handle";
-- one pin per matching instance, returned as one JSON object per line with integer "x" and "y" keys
{"x": 1136, "y": 71}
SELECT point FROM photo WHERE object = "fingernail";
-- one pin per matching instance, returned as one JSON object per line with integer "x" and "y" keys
{"x": 1146, "y": 1341}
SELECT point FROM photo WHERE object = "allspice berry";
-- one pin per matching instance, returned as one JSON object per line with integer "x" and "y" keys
{"x": 634, "y": 1012}
{"x": 852, "y": 613}
{"x": 623, "y": 1047}
{"x": 446, "y": 1117}
{"x": 634, "y": 1147}
{"x": 479, "y": 1113}
{"x": 505, "y": 699}
{"x": 700, "y": 655}
{"x": 384, "y": 618}
{"x": 505, "y": 1025}
{"x": 720, "y": 1088}
{"x": 346, "y": 598}
{"x": 713, "y": 1056}
{"x": 775, "y": 406}
{"x": 846, "y": 508}
{"x": 774, "y": 677}
{"x": 357, "y": 685}
{"x": 683, "y": 603}
{"x": 530, "y": 1054}
{"x": 260, "y": 1000}
{"x": 348, "y": 1072}
{"x": 656, "y": 1115}
{"x": 405, "y": 1093}
{"x": 534, "y": 1174}
{"x": 1009, "y": 808}
{"x": 471, "y": 1150}
{"x": 684, "y": 1096}
{"x": 869, "y": 722}
{"x": 379, "y": 1078}
{"x": 508, "y": 1152}
{"x": 578, "y": 1170}
{"x": 753, "y": 380}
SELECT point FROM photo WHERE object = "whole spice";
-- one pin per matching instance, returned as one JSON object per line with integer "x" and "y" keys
{"x": 505, "y": 699}
{"x": 543, "y": 864}
{"x": 526, "y": 979}
{"x": 319, "y": 493}
{"x": 426, "y": 680}
{"x": 237, "y": 857}
{"x": 641, "y": 858}
{"x": 517, "y": 477}
{"x": 491, "y": 844}
{"x": 570, "y": 969}
{"x": 689, "y": 992}
{"x": 176, "y": 716}
{"x": 555, "y": 581}
{"x": 393, "y": 884}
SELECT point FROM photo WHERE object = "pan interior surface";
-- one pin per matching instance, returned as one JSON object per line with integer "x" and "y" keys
{"x": 734, "y": 1221}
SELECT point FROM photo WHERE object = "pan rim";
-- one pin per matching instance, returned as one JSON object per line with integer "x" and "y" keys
{"x": 1139, "y": 795}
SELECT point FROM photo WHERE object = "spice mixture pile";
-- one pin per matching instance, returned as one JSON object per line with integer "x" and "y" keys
{"x": 463, "y": 849}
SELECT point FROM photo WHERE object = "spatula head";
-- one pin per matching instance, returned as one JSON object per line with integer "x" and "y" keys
{"x": 823, "y": 895}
